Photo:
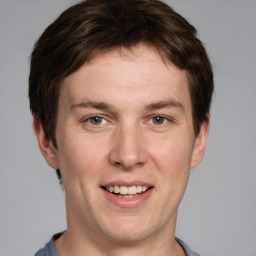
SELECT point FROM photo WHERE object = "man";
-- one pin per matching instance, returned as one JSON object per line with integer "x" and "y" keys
{"x": 120, "y": 92}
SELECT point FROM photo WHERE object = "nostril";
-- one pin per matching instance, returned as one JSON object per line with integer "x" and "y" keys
{"x": 129, "y": 166}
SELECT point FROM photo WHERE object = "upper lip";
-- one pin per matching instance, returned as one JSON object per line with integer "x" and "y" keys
{"x": 127, "y": 183}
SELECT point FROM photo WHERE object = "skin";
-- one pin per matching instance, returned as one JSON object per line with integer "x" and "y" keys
{"x": 128, "y": 144}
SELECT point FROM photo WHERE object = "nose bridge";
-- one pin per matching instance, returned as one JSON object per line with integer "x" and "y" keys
{"x": 128, "y": 150}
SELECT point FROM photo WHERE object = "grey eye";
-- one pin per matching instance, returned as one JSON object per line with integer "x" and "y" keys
{"x": 158, "y": 120}
{"x": 96, "y": 120}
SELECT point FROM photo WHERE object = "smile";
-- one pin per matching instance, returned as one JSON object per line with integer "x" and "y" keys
{"x": 125, "y": 191}
{"x": 127, "y": 196}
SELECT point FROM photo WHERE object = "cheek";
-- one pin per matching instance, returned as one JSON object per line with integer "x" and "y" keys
{"x": 80, "y": 156}
{"x": 172, "y": 155}
{"x": 80, "y": 162}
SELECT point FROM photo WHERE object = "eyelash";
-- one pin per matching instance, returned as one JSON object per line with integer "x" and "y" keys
{"x": 166, "y": 121}
{"x": 164, "y": 118}
{"x": 89, "y": 120}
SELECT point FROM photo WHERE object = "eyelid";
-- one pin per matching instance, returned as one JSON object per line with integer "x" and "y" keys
{"x": 151, "y": 121}
{"x": 87, "y": 118}
{"x": 167, "y": 118}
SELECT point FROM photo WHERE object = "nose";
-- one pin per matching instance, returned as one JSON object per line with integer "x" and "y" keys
{"x": 128, "y": 150}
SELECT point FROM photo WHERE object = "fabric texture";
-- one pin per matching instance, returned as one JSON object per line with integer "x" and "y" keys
{"x": 50, "y": 250}
{"x": 186, "y": 248}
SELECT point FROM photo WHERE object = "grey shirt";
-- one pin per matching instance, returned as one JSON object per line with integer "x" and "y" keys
{"x": 50, "y": 250}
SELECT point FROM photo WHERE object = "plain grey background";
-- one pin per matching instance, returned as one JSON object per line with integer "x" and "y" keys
{"x": 218, "y": 212}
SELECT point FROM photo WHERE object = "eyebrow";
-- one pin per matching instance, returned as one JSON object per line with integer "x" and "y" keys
{"x": 165, "y": 104}
{"x": 150, "y": 107}
{"x": 92, "y": 104}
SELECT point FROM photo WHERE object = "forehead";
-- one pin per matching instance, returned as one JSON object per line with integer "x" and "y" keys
{"x": 128, "y": 74}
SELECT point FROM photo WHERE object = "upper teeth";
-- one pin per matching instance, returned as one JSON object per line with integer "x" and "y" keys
{"x": 124, "y": 190}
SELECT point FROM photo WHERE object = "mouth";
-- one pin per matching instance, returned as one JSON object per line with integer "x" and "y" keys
{"x": 127, "y": 191}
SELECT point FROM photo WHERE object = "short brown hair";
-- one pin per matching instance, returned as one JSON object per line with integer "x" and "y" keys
{"x": 96, "y": 26}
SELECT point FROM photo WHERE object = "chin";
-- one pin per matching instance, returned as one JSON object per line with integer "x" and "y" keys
{"x": 129, "y": 236}
{"x": 130, "y": 231}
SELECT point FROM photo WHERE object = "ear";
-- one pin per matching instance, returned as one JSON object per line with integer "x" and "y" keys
{"x": 200, "y": 143}
{"x": 45, "y": 144}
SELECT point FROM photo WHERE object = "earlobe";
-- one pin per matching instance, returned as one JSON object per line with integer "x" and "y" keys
{"x": 200, "y": 143}
{"x": 45, "y": 144}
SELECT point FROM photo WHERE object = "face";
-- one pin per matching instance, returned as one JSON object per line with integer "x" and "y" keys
{"x": 126, "y": 145}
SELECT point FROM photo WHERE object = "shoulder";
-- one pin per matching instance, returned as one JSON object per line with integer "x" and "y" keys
{"x": 188, "y": 251}
{"x": 49, "y": 249}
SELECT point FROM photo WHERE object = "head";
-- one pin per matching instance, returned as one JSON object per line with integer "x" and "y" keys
{"x": 95, "y": 27}
{"x": 93, "y": 46}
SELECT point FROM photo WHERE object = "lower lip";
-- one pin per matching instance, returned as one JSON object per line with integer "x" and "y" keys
{"x": 128, "y": 202}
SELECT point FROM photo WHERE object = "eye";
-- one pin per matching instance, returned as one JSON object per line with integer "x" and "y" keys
{"x": 158, "y": 120}
{"x": 96, "y": 120}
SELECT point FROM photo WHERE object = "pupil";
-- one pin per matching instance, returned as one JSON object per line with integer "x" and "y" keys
{"x": 158, "y": 120}
{"x": 96, "y": 120}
